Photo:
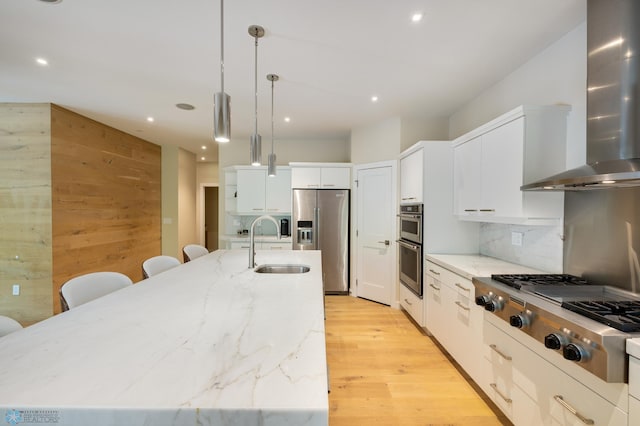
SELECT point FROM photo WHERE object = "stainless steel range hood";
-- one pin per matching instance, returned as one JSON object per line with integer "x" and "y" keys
{"x": 613, "y": 102}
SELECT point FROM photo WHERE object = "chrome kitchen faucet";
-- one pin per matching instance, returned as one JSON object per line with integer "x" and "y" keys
{"x": 252, "y": 241}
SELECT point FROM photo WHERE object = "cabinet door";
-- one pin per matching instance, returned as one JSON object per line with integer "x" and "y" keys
{"x": 278, "y": 190}
{"x": 411, "y": 177}
{"x": 335, "y": 177}
{"x": 251, "y": 191}
{"x": 435, "y": 320}
{"x": 305, "y": 177}
{"x": 467, "y": 184}
{"x": 502, "y": 168}
{"x": 412, "y": 304}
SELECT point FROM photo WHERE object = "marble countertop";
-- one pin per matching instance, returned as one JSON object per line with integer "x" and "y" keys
{"x": 209, "y": 342}
{"x": 475, "y": 265}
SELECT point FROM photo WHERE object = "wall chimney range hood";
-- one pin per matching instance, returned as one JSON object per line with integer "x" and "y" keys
{"x": 613, "y": 102}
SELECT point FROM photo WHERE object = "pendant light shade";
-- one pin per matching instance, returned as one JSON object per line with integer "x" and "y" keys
{"x": 221, "y": 101}
{"x": 255, "y": 149}
{"x": 222, "y": 117}
{"x": 271, "y": 170}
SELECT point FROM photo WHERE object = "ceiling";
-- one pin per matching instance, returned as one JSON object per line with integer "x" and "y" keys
{"x": 121, "y": 61}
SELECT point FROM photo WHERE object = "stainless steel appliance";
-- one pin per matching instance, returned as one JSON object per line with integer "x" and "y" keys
{"x": 320, "y": 221}
{"x": 613, "y": 76}
{"x": 586, "y": 324}
{"x": 410, "y": 247}
{"x": 411, "y": 222}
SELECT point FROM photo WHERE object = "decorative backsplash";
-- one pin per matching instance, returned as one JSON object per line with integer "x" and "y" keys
{"x": 541, "y": 245}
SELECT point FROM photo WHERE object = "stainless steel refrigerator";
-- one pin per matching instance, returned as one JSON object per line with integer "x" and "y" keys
{"x": 321, "y": 222}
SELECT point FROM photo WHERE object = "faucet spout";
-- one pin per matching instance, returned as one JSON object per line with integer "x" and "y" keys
{"x": 252, "y": 240}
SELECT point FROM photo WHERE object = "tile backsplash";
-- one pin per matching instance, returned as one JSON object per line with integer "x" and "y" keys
{"x": 541, "y": 245}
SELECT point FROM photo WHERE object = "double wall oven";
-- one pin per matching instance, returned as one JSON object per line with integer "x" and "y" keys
{"x": 410, "y": 247}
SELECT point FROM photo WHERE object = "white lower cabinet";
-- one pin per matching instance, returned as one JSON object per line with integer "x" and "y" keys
{"x": 634, "y": 411}
{"x": 452, "y": 316}
{"x": 261, "y": 245}
{"x": 412, "y": 304}
{"x": 532, "y": 391}
{"x": 634, "y": 391}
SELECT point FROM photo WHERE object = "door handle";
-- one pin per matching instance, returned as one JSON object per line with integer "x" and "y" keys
{"x": 385, "y": 242}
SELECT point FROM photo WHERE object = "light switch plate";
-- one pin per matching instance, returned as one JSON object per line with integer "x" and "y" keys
{"x": 16, "y": 290}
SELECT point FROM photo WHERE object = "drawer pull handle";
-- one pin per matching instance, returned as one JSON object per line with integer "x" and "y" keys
{"x": 499, "y": 352}
{"x": 572, "y": 410}
{"x": 487, "y": 210}
{"x": 431, "y": 270}
{"x": 408, "y": 303}
{"x": 470, "y": 210}
{"x": 408, "y": 198}
{"x": 434, "y": 287}
{"x": 495, "y": 388}
{"x": 462, "y": 306}
{"x": 462, "y": 287}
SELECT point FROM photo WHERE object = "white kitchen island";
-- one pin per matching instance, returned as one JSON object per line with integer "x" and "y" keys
{"x": 210, "y": 342}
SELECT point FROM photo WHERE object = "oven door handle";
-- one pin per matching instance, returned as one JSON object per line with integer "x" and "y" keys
{"x": 410, "y": 216}
{"x": 406, "y": 244}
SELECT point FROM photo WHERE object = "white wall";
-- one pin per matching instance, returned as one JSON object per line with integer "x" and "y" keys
{"x": 378, "y": 142}
{"x": 187, "y": 224}
{"x": 414, "y": 129}
{"x": 557, "y": 75}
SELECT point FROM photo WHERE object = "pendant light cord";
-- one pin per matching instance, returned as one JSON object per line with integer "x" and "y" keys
{"x": 272, "y": 81}
{"x": 255, "y": 79}
{"x": 222, "y": 44}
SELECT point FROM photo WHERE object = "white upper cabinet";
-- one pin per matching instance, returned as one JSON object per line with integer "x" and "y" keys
{"x": 256, "y": 193}
{"x": 411, "y": 177}
{"x": 325, "y": 176}
{"x": 278, "y": 192}
{"x": 494, "y": 160}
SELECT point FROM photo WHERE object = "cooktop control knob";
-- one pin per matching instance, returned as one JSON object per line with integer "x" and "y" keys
{"x": 483, "y": 300}
{"x": 494, "y": 305}
{"x": 519, "y": 321}
{"x": 574, "y": 352}
{"x": 553, "y": 341}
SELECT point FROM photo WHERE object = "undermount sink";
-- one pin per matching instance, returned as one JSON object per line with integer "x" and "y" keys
{"x": 282, "y": 269}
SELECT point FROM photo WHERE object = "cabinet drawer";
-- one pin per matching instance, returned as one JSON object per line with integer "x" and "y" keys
{"x": 265, "y": 245}
{"x": 412, "y": 304}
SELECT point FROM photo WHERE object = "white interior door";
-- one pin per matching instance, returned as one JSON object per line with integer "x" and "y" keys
{"x": 375, "y": 232}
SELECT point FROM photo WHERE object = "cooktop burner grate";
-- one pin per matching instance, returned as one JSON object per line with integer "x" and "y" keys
{"x": 518, "y": 281}
{"x": 622, "y": 315}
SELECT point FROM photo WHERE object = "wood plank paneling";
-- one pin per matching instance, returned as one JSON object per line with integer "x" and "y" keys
{"x": 25, "y": 211}
{"x": 384, "y": 371}
{"x": 106, "y": 206}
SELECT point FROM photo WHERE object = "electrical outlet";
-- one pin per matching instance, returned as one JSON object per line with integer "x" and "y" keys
{"x": 516, "y": 238}
{"x": 16, "y": 290}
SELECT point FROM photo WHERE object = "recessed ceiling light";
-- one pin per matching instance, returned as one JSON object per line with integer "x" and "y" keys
{"x": 51, "y": 1}
{"x": 374, "y": 99}
{"x": 42, "y": 61}
{"x": 202, "y": 158}
{"x": 416, "y": 17}
{"x": 150, "y": 119}
{"x": 287, "y": 119}
{"x": 186, "y": 107}
{"x": 204, "y": 147}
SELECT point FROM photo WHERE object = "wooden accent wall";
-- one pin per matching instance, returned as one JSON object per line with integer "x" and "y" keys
{"x": 106, "y": 199}
{"x": 25, "y": 211}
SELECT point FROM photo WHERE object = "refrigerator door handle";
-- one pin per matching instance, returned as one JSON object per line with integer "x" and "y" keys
{"x": 316, "y": 212}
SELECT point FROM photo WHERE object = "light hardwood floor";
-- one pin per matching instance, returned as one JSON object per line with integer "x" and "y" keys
{"x": 383, "y": 370}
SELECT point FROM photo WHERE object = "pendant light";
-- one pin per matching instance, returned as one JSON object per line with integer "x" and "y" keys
{"x": 221, "y": 101}
{"x": 271, "y": 170}
{"x": 255, "y": 148}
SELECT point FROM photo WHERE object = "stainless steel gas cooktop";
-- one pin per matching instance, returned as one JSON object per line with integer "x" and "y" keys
{"x": 587, "y": 324}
